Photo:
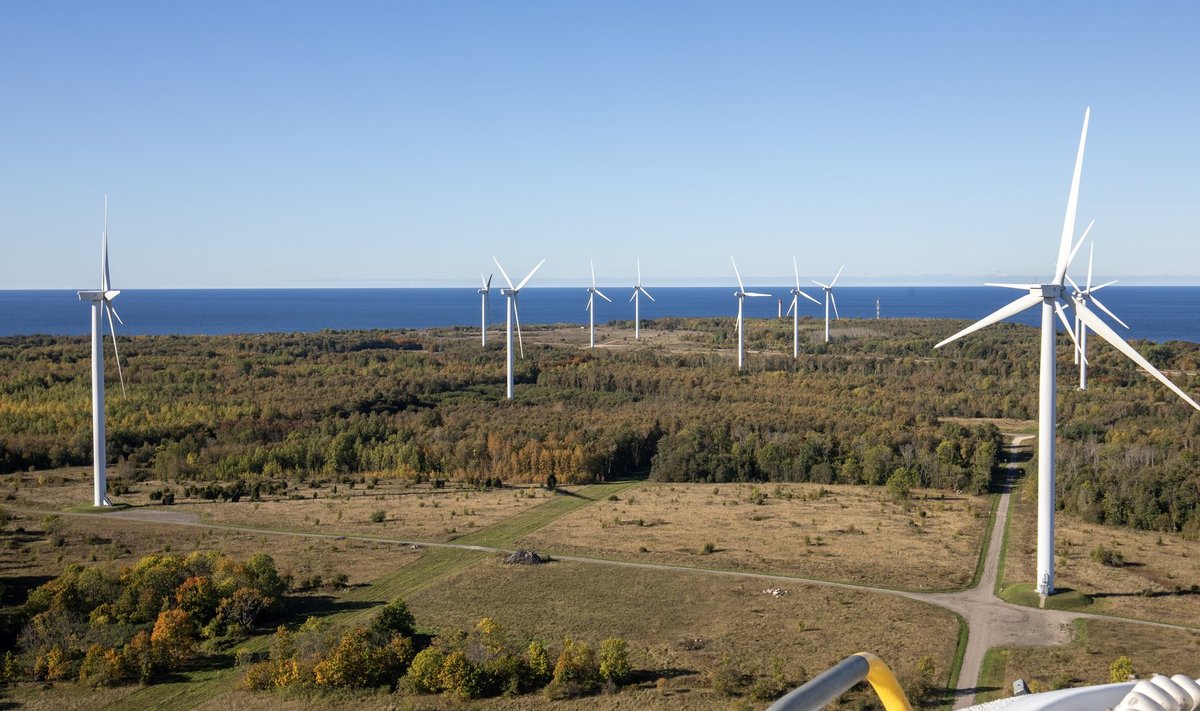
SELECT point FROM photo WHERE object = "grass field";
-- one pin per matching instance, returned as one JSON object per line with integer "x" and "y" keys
{"x": 1154, "y": 583}
{"x": 853, "y": 534}
{"x": 1096, "y": 644}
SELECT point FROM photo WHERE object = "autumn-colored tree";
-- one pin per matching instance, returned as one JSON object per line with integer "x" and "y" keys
{"x": 174, "y": 637}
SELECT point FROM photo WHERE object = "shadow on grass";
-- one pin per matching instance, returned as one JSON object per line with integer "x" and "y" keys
{"x": 649, "y": 676}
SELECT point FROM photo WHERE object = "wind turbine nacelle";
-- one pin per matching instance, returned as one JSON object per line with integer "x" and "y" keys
{"x": 1047, "y": 291}
{"x": 92, "y": 295}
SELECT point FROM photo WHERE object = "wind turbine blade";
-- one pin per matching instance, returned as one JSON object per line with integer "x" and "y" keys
{"x": 503, "y": 273}
{"x": 796, "y": 271}
{"x": 589, "y": 302}
{"x": 1000, "y": 314}
{"x": 791, "y": 306}
{"x": 835, "y": 278}
{"x": 648, "y": 296}
{"x": 639, "y": 272}
{"x": 633, "y": 295}
{"x": 1062, "y": 316}
{"x": 833, "y": 301}
{"x": 113, "y": 311}
{"x": 754, "y": 293}
{"x": 1110, "y": 313}
{"x": 517, "y": 317}
{"x": 1103, "y": 330}
{"x": 483, "y": 280}
{"x": 1071, "y": 257}
{"x": 602, "y": 296}
{"x": 1064, "y": 244}
{"x": 116, "y": 353}
{"x": 529, "y": 275}
{"x": 823, "y": 286}
{"x": 818, "y": 303}
{"x": 105, "y": 279}
{"x": 1094, "y": 289}
{"x": 1018, "y": 287}
{"x": 741, "y": 286}
{"x": 593, "y": 266}
{"x": 1091, "y": 256}
{"x": 488, "y": 284}
{"x": 1073, "y": 284}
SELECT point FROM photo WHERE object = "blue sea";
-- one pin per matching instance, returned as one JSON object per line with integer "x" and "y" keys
{"x": 1156, "y": 313}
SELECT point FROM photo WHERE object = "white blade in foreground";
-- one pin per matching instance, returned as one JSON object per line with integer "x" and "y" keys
{"x": 1014, "y": 308}
{"x": 517, "y": 317}
{"x": 1104, "y": 308}
{"x": 834, "y": 302}
{"x": 648, "y": 296}
{"x": 503, "y": 273}
{"x": 602, "y": 296}
{"x": 529, "y": 276}
{"x": 835, "y": 277}
{"x": 116, "y": 353}
{"x": 791, "y": 306}
{"x": 1064, "y": 244}
{"x": 1103, "y": 330}
{"x": 741, "y": 286}
{"x": 1018, "y": 287}
{"x": 818, "y": 303}
{"x": 753, "y": 293}
{"x": 1062, "y": 316}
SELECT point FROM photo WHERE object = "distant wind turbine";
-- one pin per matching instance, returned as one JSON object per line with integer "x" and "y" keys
{"x": 511, "y": 297}
{"x": 741, "y": 294}
{"x": 485, "y": 307}
{"x": 591, "y": 306}
{"x": 794, "y": 309}
{"x": 1052, "y": 298}
{"x": 637, "y": 289}
{"x": 101, "y": 305}
{"x": 829, "y": 298}
{"x": 1087, "y": 294}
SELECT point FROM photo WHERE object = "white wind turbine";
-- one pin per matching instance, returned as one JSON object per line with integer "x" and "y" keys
{"x": 637, "y": 289}
{"x": 741, "y": 294}
{"x": 794, "y": 310}
{"x": 485, "y": 307}
{"x": 591, "y": 305}
{"x": 511, "y": 298}
{"x": 829, "y": 298}
{"x": 1081, "y": 295}
{"x": 1052, "y": 298}
{"x": 101, "y": 305}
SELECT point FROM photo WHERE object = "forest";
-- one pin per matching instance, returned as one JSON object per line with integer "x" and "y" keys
{"x": 249, "y": 415}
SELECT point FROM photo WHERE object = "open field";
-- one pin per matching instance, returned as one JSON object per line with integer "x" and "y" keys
{"x": 411, "y": 511}
{"x": 854, "y": 534}
{"x": 1087, "y": 658}
{"x": 680, "y": 624}
{"x": 1154, "y": 583}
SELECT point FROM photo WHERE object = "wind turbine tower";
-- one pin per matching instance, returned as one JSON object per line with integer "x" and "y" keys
{"x": 1052, "y": 298}
{"x": 485, "y": 307}
{"x": 638, "y": 289}
{"x": 510, "y": 295}
{"x": 591, "y": 306}
{"x": 794, "y": 309}
{"x": 741, "y": 295}
{"x": 101, "y": 305}
{"x": 829, "y": 299}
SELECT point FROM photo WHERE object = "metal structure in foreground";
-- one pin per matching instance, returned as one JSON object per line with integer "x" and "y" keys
{"x": 837, "y": 680}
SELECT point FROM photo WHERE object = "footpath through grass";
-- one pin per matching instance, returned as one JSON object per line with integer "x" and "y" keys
{"x": 192, "y": 688}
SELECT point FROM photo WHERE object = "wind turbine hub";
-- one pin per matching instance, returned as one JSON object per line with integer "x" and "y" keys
{"x": 1047, "y": 291}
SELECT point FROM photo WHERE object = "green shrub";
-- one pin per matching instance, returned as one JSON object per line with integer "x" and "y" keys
{"x": 378, "y": 516}
{"x": 614, "y": 660}
{"x": 576, "y": 673}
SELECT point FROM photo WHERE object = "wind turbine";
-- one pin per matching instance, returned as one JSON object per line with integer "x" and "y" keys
{"x": 101, "y": 305}
{"x": 1052, "y": 298}
{"x": 485, "y": 307}
{"x": 1081, "y": 295}
{"x": 637, "y": 289}
{"x": 741, "y": 294}
{"x": 829, "y": 298}
{"x": 591, "y": 305}
{"x": 511, "y": 296}
{"x": 794, "y": 310}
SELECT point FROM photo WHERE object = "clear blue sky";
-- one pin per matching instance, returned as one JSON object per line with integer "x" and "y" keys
{"x": 287, "y": 144}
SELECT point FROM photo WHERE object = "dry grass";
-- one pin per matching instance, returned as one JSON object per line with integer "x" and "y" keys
{"x": 412, "y": 511}
{"x": 1154, "y": 584}
{"x": 848, "y": 533}
{"x": 680, "y": 624}
{"x": 109, "y": 540}
{"x": 1086, "y": 660}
